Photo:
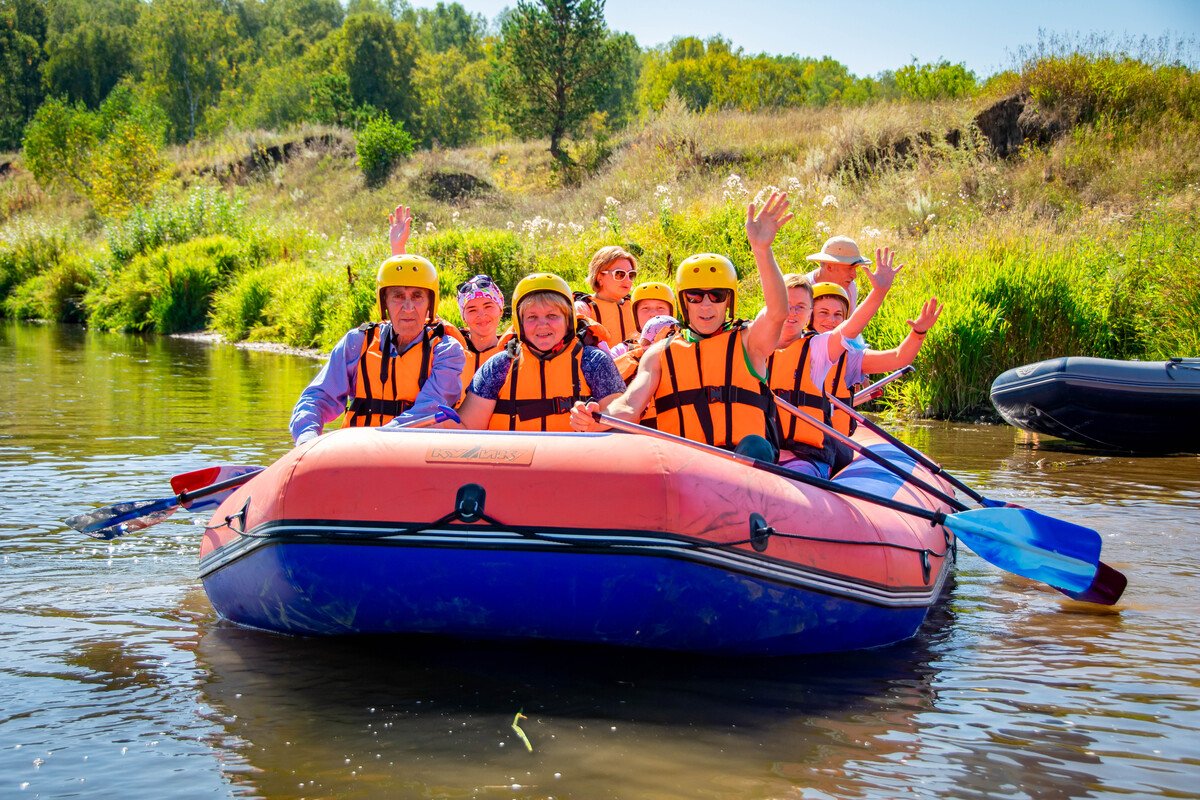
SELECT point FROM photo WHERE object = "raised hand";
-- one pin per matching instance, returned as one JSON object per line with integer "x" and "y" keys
{"x": 928, "y": 317}
{"x": 762, "y": 227}
{"x": 400, "y": 225}
{"x": 884, "y": 275}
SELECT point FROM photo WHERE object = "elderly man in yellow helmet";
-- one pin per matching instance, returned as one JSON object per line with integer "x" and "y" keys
{"x": 399, "y": 368}
{"x": 709, "y": 383}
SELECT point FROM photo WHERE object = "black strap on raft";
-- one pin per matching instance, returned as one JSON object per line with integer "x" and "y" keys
{"x": 702, "y": 398}
{"x": 542, "y": 407}
{"x": 837, "y": 383}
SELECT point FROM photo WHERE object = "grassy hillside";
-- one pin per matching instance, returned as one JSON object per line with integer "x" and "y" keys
{"x": 1080, "y": 241}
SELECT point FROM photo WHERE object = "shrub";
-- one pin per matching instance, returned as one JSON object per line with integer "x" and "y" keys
{"x": 58, "y": 145}
{"x": 204, "y": 210}
{"x": 381, "y": 144}
{"x": 125, "y": 168}
{"x": 30, "y": 251}
{"x": 940, "y": 81}
{"x": 168, "y": 290}
{"x": 55, "y": 294}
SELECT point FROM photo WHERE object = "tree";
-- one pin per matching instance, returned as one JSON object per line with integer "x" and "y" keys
{"x": 377, "y": 57}
{"x": 555, "y": 62}
{"x": 188, "y": 49}
{"x": 940, "y": 81}
{"x": 88, "y": 61}
{"x": 448, "y": 26}
{"x": 453, "y": 94}
{"x": 22, "y": 36}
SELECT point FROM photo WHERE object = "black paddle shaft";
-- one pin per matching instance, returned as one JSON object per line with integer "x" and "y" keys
{"x": 935, "y": 517}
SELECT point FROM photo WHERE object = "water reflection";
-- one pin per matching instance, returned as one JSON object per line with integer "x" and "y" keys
{"x": 116, "y": 679}
{"x": 417, "y": 716}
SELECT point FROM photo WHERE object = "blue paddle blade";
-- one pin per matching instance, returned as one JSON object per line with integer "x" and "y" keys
{"x": 1024, "y": 542}
{"x": 112, "y": 521}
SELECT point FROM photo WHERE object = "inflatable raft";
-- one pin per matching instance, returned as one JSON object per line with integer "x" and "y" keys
{"x": 610, "y": 538}
{"x": 1138, "y": 406}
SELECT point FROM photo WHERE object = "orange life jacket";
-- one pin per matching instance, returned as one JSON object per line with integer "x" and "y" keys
{"x": 835, "y": 385}
{"x": 538, "y": 393}
{"x": 791, "y": 379}
{"x": 708, "y": 394}
{"x": 616, "y": 317}
{"x": 475, "y": 358}
{"x": 387, "y": 386}
{"x": 627, "y": 364}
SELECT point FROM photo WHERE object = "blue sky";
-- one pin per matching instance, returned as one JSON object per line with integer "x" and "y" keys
{"x": 872, "y": 35}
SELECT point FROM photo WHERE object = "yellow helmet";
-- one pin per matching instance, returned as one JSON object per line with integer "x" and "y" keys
{"x": 705, "y": 271}
{"x": 408, "y": 270}
{"x": 827, "y": 289}
{"x": 542, "y": 282}
{"x": 653, "y": 290}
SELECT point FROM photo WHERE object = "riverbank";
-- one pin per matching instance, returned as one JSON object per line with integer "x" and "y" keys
{"x": 210, "y": 337}
{"x": 1079, "y": 236}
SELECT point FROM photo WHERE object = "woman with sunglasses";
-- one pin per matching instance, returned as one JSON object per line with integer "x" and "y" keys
{"x": 533, "y": 382}
{"x": 610, "y": 274}
{"x": 708, "y": 383}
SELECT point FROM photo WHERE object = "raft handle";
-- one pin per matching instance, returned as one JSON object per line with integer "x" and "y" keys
{"x": 240, "y": 515}
{"x": 468, "y": 503}
{"x": 760, "y": 532}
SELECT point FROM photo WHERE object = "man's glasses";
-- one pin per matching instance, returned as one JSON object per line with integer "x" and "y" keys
{"x": 695, "y": 296}
{"x": 795, "y": 311}
{"x": 621, "y": 274}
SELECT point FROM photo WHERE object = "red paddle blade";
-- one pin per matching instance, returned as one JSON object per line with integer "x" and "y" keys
{"x": 199, "y": 479}
{"x": 196, "y": 479}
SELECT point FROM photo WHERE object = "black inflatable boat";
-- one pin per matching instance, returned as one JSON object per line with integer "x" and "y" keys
{"x": 1140, "y": 406}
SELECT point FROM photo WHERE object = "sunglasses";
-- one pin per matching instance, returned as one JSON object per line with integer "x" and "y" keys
{"x": 695, "y": 296}
{"x": 621, "y": 274}
{"x": 479, "y": 281}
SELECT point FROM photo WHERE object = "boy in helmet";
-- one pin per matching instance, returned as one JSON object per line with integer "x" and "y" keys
{"x": 400, "y": 368}
{"x": 709, "y": 382}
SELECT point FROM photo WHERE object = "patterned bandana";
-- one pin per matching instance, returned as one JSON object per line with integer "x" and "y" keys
{"x": 481, "y": 286}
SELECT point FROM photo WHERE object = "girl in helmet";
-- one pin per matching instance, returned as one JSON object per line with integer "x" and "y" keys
{"x": 845, "y": 370}
{"x": 708, "y": 383}
{"x": 800, "y": 366}
{"x": 533, "y": 382}
{"x": 610, "y": 274}
{"x": 651, "y": 300}
{"x": 400, "y": 368}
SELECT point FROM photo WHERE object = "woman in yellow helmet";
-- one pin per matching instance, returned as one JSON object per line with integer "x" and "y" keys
{"x": 401, "y": 367}
{"x": 533, "y": 383}
{"x": 709, "y": 382}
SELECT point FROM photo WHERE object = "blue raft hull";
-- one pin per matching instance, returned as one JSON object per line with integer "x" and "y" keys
{"x": 845, "y": 583}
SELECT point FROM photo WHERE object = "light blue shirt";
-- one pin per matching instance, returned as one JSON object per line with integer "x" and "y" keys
{"x": 324, "y": 400}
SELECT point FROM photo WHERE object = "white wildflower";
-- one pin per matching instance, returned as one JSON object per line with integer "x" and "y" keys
{"x": 430, "y": 227}
{"x": 822, "y": 227}
{"x": 829, "y": 200}
{"x": 611, "y": 202}
{"x": 870, "y": 233}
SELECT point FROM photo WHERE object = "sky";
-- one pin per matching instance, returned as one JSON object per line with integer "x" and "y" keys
{"x": 869, "y": 36}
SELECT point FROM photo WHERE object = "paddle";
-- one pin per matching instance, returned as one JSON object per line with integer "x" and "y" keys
{"x": 875, "y": 390}
{"x": 1020, "y": 541}
{"x": 121, "y": 518}
{"x": 1108, "y": 585}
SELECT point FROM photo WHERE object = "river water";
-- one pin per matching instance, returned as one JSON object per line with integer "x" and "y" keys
{"x": 118, "y": 680}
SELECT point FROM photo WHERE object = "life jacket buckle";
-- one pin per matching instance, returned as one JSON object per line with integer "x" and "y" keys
{"x": 715, "y": 394}
{"x": 562, "y": 405}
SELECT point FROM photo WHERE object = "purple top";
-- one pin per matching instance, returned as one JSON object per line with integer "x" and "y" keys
{"x": 597, "y": 366}
{"x": 324, "y": 400}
